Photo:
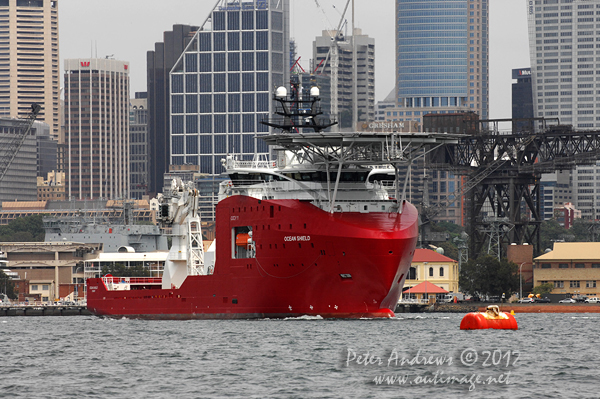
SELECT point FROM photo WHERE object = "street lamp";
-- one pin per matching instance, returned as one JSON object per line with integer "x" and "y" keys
{"x": 521, "y": 281}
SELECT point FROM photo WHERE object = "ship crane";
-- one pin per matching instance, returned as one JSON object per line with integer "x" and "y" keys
{"x": 179, "y": 210}
{"x": 21, "y": 132}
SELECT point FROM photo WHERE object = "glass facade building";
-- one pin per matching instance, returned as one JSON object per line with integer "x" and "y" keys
{"x": 221, "y": 87}
{"x": 442, "y": 57}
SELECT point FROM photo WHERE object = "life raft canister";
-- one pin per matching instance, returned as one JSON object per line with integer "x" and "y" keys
{"x": 491, "y": 318}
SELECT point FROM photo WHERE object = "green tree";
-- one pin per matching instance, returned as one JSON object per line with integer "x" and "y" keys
{"x": 25, "y": 229}
{"x": 551, "y": 231}
{"x": 7, "y": 286}
{"x": 120, "y": 270}
{"x": 543, "y": 289}
{"x": 581, "y": 230}
{"x": 488, "y": 276}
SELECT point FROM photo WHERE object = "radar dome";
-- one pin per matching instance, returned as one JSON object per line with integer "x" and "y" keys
{"x": 281, "y": 92}
{"x": 439, "y": 250}
{"x": 314, "y": 91}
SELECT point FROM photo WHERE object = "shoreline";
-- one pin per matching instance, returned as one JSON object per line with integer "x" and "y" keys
{"x": 518, "y": 307}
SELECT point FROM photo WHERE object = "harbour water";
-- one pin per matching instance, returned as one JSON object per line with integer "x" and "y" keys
{"x": 414, "y": 355}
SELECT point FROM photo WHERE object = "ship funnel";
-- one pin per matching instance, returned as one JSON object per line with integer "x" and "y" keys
{"x": 314, "y": 91}
{"x": 281, "y": 92}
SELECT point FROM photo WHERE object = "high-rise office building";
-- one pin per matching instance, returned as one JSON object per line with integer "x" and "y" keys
{"x": 442, "y": 57}
{"x": 138, "y": 145}
{"x": 522, "y": 100}
{"x": 97, "y": 128}
{"x": 365, "y": 74}
{"x": 159, "y": 63}
{"x": 222, "y": 86}
{"x": 442, "y": 68}
{"x": 20, "y": 181}
{"x": 29, "y": 69}
{"x": 562, "y": 45}
{"x": 563, "y": 50}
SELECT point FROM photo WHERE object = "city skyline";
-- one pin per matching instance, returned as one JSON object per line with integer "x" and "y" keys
{"x": 139, "y": 24}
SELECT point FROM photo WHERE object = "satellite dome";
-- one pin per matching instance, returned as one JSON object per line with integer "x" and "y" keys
{"x": 314, "y": 91}
{"x": 281, "y": 92}
{"x": 439, "y": 250}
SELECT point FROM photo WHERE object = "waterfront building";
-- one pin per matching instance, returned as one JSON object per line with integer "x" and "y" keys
{"x": 572, "y": 267}
{"x": 29, "y": 60}
{"x": 97, "y": 128}
{"x": 49, "y": 270}
{"x": 442, "y": 57}
{"x": 138, "y": 146}
{"x": 159, "y": 64}
{"x": 62, "y": 210}
{"x": 433, "y": 267}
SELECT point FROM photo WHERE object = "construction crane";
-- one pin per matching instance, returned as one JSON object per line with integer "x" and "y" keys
{"x": 14, "y": 145}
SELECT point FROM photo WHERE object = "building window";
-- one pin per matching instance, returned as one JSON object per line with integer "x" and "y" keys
{"x": 431, "y": 272}
{"x": 559, "y": 284}
{"x": 45, "y": 287}
{"x": 546, "y": 266}
{"x": 590, "y": 284}
{"x": 34, "y": 287}
{"x": 579, "y": 265}
{"x": 574, "y": 284}
{"x": 563, "y": 265}
{"x": 412, "y": 273}
{"x": 441, "y": 272}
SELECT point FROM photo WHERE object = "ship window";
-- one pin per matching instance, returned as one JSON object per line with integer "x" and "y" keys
{"x": 271, "y": 211}
{"x": 243, "y": 245}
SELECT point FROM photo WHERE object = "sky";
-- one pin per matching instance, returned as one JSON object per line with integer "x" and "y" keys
{"x": 127, "y": 29}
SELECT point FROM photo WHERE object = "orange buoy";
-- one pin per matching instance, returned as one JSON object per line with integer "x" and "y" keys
{"x": 491, "y": 318}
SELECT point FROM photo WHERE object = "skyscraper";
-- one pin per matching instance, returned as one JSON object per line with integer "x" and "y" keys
{"x": 97, "y": 128}
{"x": 138, "y": 145}
{"x": 365, "y": 73}
{"x": 563, "y": 37}
{"x": 562, "y": 45}
{"x": 442, "y": 57}
{"x": 159, "y": 63}
{"x": 221, "y": 87}
{"x": 29, "y": 70}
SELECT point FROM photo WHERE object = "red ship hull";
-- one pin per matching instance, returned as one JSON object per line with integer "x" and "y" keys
{"x": 307, "y": 262}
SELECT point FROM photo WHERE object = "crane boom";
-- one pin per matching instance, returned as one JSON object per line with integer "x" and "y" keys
{"x": 15, "y": 143}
